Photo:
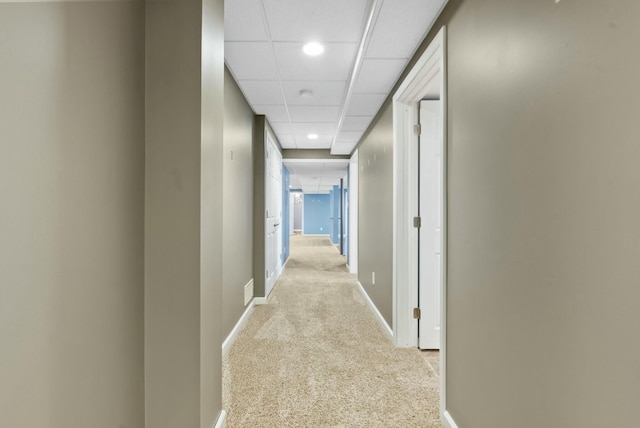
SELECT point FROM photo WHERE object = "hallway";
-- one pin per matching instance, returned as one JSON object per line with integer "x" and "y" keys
{"x": 315, "y": 355}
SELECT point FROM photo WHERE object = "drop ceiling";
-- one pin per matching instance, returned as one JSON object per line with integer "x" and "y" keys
{"x": 313, "y": 176}
{"x": 367, "y": 44}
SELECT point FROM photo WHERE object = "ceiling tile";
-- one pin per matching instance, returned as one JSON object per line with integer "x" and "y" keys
{"x": 314, "y": 113}
{"x": 243, "y": 21}
{"x": 287, "y": 141}
{"x": 327, "y": 20}
{"x": 281, "y": 127}
{"x": 273, "y": 113}
{"x": 306, "y": 180}
{"x": 317, "y": 175}
{"x": 333, "y": 177}
{"x": 322, "y": 142}
{"x": 356, "y": 123}
{"x": 365, "y": 104}
{"x": 242, "y": 57}
{"x": 342, "y": 148}
{"x": 401, "y": 26}
{"x": 294, "y": 182}
{"x": 260, "y": 92}
{"x": 349, "y": 136}
{"x": 334, "y": 64}
{"x": 379, "y": 75}
{"x": 323, "y": 92}
{"x": 314, "y": 128}
{"x": 310, "y": 170}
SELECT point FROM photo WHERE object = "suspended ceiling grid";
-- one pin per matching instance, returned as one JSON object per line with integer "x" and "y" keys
{"x": 336, "y": 94}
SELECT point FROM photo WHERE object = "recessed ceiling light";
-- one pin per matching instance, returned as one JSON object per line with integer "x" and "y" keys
{"x": 312, "y": 136}
{"x": 313, "y": 48}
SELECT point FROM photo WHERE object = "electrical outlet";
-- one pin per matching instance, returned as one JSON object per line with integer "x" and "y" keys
{"x": 373, "y": 278}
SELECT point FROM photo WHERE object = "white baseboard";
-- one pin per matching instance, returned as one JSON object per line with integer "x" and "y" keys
{"x": 236, "y": 329}
{"x": 259, "y": 301}
{"x": 222, "y": 420}
{"x": 448, "y": 420}
{"x": 375, "y": 310}
{"x": 248, "y": 291}
{"x": 351, "y": 269}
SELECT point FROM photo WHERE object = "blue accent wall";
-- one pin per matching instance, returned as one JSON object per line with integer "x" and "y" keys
{"x": 334, "y": 214}
{"x": 316, "y": 214}
{"x": 286, "y": 218}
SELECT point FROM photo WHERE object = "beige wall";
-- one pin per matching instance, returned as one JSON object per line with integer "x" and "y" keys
{"x": 237, "y": 202}
{"x": 71, "y": 222}
{"x": 212, "y": 124}
{"x": 183, "y": 218}
{"x": 111, "y": 250}
{"x": 375, "y": 212}
{"x": 543, "y": 236}
{"x": 311, "y": 154}
{"x": 259, "y": 142}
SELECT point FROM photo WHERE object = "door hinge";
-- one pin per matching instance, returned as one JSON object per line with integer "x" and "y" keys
{"x": 267, "y": 274}
{"x": 417, "y": 129}
{"x": 417, "y": 222}
{"x": 416, "y": 313}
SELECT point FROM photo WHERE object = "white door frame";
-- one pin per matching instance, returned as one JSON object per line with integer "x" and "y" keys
{"x": 429, "y": 67}
{"x": 273, "y": 204}
{"x": 353, "y": 213}
{"x": 293, "y": 215}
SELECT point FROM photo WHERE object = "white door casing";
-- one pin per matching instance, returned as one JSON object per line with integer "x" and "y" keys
{"x": 430, "y": 232}
{"x": 353, "y": 213}
{"x": 292, "y": 201}
{"x": 273, "y": 213}
{"x": 429, "y": 70}
{"x": 426, "y": 78}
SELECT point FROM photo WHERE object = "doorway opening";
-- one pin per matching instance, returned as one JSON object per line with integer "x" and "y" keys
{"x": 419, "y": 243}
{"x": 296, "y": 212}
{"x": 273, "y": 213}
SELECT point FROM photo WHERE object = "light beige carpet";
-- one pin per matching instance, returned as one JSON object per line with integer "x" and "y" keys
{"x": 315, "y": 356}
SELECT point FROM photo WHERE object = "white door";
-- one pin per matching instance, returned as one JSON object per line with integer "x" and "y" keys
{"x": 430, "y": 234}
{"x": 273, "y": 214}
{"x": 353, "y": 213}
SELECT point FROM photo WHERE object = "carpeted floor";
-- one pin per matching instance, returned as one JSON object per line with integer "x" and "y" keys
{"x": 315, "y": 356}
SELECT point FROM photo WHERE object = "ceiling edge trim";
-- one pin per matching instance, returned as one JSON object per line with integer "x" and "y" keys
{"x": 376, "y": 6}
